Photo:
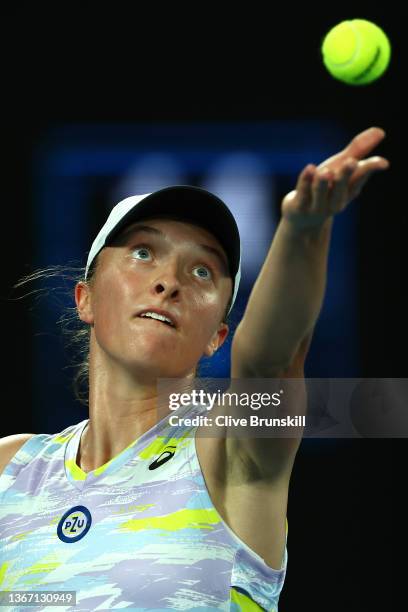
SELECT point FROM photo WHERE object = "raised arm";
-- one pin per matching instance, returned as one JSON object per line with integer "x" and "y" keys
{"x": 287, "y": 296}
{"x": 274, "y": 335}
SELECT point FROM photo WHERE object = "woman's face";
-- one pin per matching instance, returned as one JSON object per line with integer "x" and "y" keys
{"x": 162, "y": 267}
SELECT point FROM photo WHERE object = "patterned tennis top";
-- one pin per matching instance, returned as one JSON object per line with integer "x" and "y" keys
{"x": 138, "y": 533}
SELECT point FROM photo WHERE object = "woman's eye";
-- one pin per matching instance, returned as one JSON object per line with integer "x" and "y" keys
{"x": 204, "y": 272}
{"x": 201, "y": 268}
{"x": 141, "y": 249}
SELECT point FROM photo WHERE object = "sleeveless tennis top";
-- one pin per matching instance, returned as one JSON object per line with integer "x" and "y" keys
{"x": 139, "y": 532}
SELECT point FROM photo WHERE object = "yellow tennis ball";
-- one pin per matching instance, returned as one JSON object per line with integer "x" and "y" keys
{"x": 356, "y": 52}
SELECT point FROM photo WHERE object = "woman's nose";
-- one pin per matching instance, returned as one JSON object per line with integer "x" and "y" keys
{"x": 168, "y": 280}
{"x": 171, "y": 288}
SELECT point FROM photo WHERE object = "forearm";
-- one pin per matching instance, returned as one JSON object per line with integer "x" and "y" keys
{"x": 287, "y": 296}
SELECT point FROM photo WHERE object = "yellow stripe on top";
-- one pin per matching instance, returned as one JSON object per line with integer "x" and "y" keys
{"x": 161, "y": 442}
{"x": 62, "y": 439}
{"x": 3, "y": 569}
{"x": 193, "y": 518}
{"x": 243, "y": 603}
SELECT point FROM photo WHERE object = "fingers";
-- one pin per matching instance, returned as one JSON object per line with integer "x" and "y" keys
{"x": 313, "y": 190}
{"x": 364, "y": 142}
{"x": 360, "y": 146}
{"x": 324, "y": 191}
{"x": 304, "y": 187}
{"x": 337, "y": 199}
{"x": 371, "y": 164}
{"x": 320, "y": 191}
{"x": 314, "y": 187}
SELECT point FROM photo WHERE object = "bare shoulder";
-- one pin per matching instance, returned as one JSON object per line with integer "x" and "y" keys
{"x": 9, "y": 447}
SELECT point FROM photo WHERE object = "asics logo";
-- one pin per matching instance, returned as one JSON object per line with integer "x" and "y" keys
{"x": 163, "y": 458}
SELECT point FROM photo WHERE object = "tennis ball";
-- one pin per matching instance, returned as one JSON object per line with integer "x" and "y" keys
{"x": 356, "y": 52}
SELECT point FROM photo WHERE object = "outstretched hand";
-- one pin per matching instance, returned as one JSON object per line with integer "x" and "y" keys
{"x": 325, "y": 190}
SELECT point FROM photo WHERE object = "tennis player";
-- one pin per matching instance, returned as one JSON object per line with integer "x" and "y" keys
{"x": 124, "y": 509}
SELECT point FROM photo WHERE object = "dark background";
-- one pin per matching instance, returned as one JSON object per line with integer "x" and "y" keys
{"x": 85, "y": 63}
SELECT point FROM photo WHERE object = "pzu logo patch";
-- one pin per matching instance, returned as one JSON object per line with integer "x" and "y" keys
{"x": 75, "y": 524}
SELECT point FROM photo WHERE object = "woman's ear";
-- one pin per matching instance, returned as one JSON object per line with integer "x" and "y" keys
{"x": 217, "y": 340}
{"x": 84, "y": 302}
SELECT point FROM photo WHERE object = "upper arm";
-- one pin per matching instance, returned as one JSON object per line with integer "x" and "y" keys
{"x": 9, "y": 447}
{"x": 272, "y": 458}
{"x": 242, "y": 368}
